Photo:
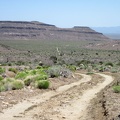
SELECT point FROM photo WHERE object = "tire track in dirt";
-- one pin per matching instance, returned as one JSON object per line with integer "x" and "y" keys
{"x": 77, "y": 108}
{"x": 62, "y": 108}
{"x": 16, "y": 111}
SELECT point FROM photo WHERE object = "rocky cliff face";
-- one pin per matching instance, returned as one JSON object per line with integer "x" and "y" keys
{"x": 18, "y": 30}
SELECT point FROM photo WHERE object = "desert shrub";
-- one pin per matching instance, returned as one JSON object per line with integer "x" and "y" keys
{"x": 20, "y": 63}
{"x": 9, "y": 64}
{"x": 28, "y": 81}
{"x": 7, "y": 80}
{"x": 2, "y": 87}
{"x": 109, "y": 64}
{"x": 41, "y": 77}
{"x": 54, "y": 71}
{"x": 89, "y": 69}
{"x": 100, "y": 62}
{"x": 90, "y": 73}
{"x": 118, "y": 64}
{"x": 42, "y": 84}
{"x": 8, "y": 86}
{"x": 17, "y": 84}
{"x": 1, "y": 78}
{"x": 13, "y": 70}
{"x": 21, "y": 75}
{"x": 40, "y": 71}
{"x": 8, "y": 83}
{"x": 116, "y": 89}
{"x": 114, "y": 70}
{"x": 72, "y": 67}
{"x": 53, "y": 58}
{"x": 32, "y": 72}
{"x": 2, "y": 70}
{"x": 84, "y": 62}
{"x": 39, "y": 67}
{"x": 101, "y": 69}
{"x": 57, "y": 70}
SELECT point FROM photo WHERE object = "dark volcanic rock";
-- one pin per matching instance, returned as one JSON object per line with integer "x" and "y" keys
{"x": 36, "y": 30}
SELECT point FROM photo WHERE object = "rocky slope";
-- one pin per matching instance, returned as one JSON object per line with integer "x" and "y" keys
{"x": 36, "y": 30}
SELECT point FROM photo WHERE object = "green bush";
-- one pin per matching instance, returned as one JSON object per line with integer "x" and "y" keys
{"x": 109, "y": 64}
{"x": 21, "y": 75}
{"x": 33, "y": 72}
{"x": 101, "y": 69}
{"x": 39, "y": 67}
{"x": 42, "y": 84}
{"x": 1, "y": 78}
{"x": 28, "y": 81}
{"x": 84, "y": 62}
{"x": 54, "y": 59}
{"x": 17, "y": 84}
{"x": 118, "y": 64}
{"x": 7, "y": 80}
{"x": 90, "y": 73}
{"x": 41, "y": 77}
{"x": 8, "y": 86}
{"x": 114, "y": 70}
{"x": 116, "y": 89}
{"x": 72, "y": 67}
{"x": 13, "y": 70}
{"x": 8, "y": 83}
{"x": 2, "y": 87}
{"x": 2, "y": 70}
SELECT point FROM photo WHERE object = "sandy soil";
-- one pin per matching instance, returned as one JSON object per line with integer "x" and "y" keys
{"x": 67, "y": 102}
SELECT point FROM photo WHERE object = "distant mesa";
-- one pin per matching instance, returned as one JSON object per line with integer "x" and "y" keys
{"x": 34, "y": 30}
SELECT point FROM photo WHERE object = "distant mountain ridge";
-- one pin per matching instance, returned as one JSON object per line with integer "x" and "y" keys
{"x": 23, "y": 30}
{"x": 108, "y": 30}
{"x": 112, "y": 32}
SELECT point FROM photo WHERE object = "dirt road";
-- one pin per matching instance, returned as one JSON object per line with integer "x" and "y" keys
{"x": 68, "y": 102}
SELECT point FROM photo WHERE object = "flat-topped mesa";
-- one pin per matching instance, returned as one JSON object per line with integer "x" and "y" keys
{"x": 85, "y": 29}
{"x": 20, "y": 30}
{"x": 23, "y": 23}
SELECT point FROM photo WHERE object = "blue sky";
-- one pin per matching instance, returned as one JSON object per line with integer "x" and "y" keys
{"x": 63, "y": 13}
